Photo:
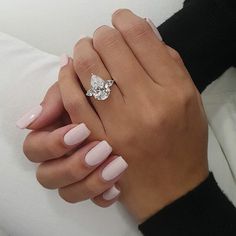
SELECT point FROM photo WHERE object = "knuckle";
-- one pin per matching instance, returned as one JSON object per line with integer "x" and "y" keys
{"x": 92, "y": 188}
{"x": 174, "y": 54}
{"x": 85, "y": 63}
{"x": 72, "y": 172}
{"x": 41, "y": 177}
{"x": 105, "y": 36}
{"x": 65, "y": 196}
{"x": 149, "y": 113}
{"x": 56, "y": 145}
{"x": 186, "y": 96}
{"x": 79, "y": 43}
{"x": 119, "y": 13}
{"x": 53, "y": 149}
{"x": 73, "y": 104}
{"x": 27, "y": 149}
{"x": 137, "y": 31}
{"x": 63, "y": 75}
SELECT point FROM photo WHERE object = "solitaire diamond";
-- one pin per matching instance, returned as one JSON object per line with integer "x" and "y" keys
{"x": 100, "y": 89}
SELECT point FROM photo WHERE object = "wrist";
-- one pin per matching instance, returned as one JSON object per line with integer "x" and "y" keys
{"x": 205, "y": 207}
{"x": 142, "y": 203}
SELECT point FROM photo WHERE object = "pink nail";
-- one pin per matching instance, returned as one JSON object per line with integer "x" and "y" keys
{"x": 64, "y": 60}
{"x": 155, "y": 30}
{"x": 114, "y": 169}
{"x": 29, "y": 117}
{"x": 111, "y": 193}
{"x": 98, "y": 154}
{"x": 76, "y": 135}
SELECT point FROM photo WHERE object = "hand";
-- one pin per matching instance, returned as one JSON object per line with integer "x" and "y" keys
{"x": 154, "y": 117}
{"x": 66, "y": 167}
{"x": 178, "y": 87}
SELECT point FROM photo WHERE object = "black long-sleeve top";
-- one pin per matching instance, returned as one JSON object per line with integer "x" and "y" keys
{"x": 204, "y": 33}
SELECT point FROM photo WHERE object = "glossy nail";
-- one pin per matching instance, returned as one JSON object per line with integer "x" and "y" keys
{"x": 114, "y": 169}
{"x": 98, "y": 154}
{"x": 76, "y": 135}
{"x": 29, "y": 117}
{"x": 64, "y": 60}
{"x": 111, "y": 193}
{"x": 155, "y": 30}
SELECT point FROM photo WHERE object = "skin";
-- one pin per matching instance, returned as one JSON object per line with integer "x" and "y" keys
{"x": 154, "y": 119}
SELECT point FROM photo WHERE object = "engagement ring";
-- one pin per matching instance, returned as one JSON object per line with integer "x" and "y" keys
{"x": 100, "y": 89}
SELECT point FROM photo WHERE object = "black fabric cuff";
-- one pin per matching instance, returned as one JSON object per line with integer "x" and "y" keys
{"x": 204, "y": 33}
{"x": 203, "y": 211}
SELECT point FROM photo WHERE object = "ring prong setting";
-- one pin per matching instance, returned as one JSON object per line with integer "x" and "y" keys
{"x": 100, "y": 89}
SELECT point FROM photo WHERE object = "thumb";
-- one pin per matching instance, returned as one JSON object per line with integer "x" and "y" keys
{"x": 48, "y": 112}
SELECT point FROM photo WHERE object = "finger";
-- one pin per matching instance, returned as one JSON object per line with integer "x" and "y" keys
{"x": 87, "y": 62}
{"x": 46, "y": 113}
{"x": 176, "y": 56}
{"x": 147, "y": 47}
{"x": 66, "y": 171}
{"x": 120, "y": 61}
{"x": 107, "y": 198}
{"x": 76, "y": 103}
{"x": 100, "y": 180}
{"x": 40, "y": 146}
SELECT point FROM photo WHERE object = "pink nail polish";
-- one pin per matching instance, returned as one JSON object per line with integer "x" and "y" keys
{"x": 29, "y": 117}
{"x": 111, "y": 193}
{"x": 76, "y": 135}
{"x": 64, "y": 60}
{"x": 155, "y": 30}
{"x": 98, "y": 154}
{"x": 114, "y": 169}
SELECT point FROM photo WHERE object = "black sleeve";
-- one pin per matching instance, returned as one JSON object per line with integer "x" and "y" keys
{"x": 204, "y": 33}
{"x": 205, "y": 211}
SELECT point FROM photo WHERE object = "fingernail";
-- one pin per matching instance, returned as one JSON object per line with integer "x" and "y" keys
{"x": 98, "y": 154}
{"x": 29, "y": 117}
{"x": 155, "y": 30}
{"x": 114, "y": 169}
{"x": 76, "y": 135}
{"x": 64, "y": 60}
{"x": 111, "y": 193}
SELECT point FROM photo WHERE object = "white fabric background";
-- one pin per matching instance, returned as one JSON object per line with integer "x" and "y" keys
{"x": 26, "y": 209}
{"x": 56, "y": 25}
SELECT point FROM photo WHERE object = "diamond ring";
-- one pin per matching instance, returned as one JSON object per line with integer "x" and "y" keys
{"x": 100, "y": 89}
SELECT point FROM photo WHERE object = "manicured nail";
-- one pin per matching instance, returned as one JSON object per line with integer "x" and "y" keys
{"x": 98, "y": 154}
{"x": 155, "y": 30}
{"x": 114, "y": 169}
{"x": 76, "y": 135}
{"x": 64, "y": 60}
{"x": 111, "y": 193}
{"x": 29, "y": 117}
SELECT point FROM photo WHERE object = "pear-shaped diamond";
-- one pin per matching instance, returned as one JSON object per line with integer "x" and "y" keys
{"x": 97, "y": 82}
{"x": 100, "y": 88}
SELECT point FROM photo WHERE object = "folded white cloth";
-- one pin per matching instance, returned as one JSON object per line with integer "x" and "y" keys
{"x": 220, "y": 105}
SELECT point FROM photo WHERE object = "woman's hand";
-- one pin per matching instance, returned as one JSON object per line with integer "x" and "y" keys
{"x": 154, "y": 117}
{"x": 68, "y": 166}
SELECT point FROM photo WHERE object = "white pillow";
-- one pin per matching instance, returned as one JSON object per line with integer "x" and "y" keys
{"x": 26, "y": 209}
